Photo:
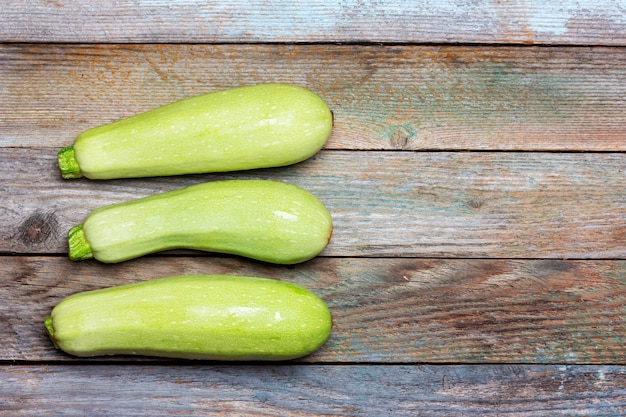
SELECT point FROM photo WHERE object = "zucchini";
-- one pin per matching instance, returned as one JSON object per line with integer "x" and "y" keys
{"x": 215, "y": 317}
{"x": 266, "y": 125}
{"x": 266, "y": 220}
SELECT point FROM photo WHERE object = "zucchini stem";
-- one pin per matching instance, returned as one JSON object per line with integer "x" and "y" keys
{"x": 50, "y": 328}
{"x": 80, "y": 249}
{"x": 68, "y": 165}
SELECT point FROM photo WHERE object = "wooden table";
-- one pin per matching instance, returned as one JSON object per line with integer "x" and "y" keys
{"x": 475, "y": 174}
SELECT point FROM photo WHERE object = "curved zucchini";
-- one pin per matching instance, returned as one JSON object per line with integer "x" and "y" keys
{"x": 215, "y": 317}
{"x": 259, "y": 126}
{"x": 265, "y": 220}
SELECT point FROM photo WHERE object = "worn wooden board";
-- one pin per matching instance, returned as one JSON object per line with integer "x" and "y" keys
{"x": 390, "y": 97}
{"x": 445, "y": 274}
{"x": 384, "y": 310}
{"x": 445, "y": 204}
{"x": 588, "y": 22}
{"x": 317, "y": 390}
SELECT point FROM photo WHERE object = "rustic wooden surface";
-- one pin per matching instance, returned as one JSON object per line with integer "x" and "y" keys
{"x": 386, "y": 97}
{"x": 475, "y": 174}
{"x": 586, "y": 22}
{"x": 385, "y": 310}
{"x": 320, "y": 390}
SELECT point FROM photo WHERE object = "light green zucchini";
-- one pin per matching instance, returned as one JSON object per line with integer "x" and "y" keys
{"x": 266, "y": 125}
{"x": 266, "y": 220}
{"x": 215, "y": 317}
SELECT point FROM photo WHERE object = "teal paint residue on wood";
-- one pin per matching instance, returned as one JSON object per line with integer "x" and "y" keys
{"x": 549, "y": 17}
{"x": 441, "y": 92}
{"x": 555, "y": 18}
{"x": 489, "y": 91}
{"x": 280, "y": 20}
{"x": 480, "y": 96}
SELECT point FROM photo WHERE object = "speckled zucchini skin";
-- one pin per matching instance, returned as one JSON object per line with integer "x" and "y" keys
{"x": 214, "y": 317}
{"x": 259, "y": 126}
{"x": 266, "y": 220}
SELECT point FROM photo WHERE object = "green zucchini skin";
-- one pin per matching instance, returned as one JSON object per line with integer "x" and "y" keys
{"x": 260, "y": 126}
{"x": 266, "y": 220}
{"x": 214, "y": 317}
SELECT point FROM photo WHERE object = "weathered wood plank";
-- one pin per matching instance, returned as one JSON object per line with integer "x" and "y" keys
{"x": 384, "y": 310}
{"x": 566, "y": 22}
{"x": 115, "y": 390}
{"x": 383, "y": 97}
{"x": 506, "y": 205}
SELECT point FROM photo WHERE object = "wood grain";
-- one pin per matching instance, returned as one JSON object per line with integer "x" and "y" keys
{"x": 461, "y": 390}
{"x": 384, "y": 310}
{"x": 401, "y": 204}
{"x": 566, "y": 22}
{"x": 470, "y": 272}
{"x": 390, "y": 97}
